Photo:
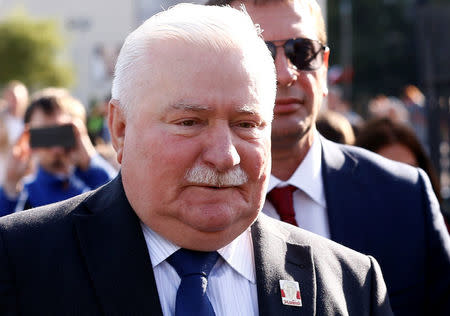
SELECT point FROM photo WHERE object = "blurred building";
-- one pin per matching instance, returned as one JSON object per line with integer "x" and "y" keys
{"x": 94, "y": 31}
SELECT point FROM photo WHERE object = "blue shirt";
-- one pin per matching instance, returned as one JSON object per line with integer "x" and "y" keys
{"x": 45, "y": 188}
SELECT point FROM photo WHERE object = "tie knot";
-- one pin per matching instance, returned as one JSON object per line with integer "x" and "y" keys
{"x": 281, "y": 199}
{"x": 277, "y": 195}
{"x": 187, "y": 262}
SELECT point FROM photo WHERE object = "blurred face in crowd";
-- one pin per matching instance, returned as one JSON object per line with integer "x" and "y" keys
{"x": 55, "y": 159}
{"x": 16, "y": 98}
{"x": 195, "y": 149}
{"x": 299, "y": 92}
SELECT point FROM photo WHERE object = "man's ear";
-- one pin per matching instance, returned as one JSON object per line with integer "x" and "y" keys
{"x": 326, "y": 57}
{"x": 117, "y": 125}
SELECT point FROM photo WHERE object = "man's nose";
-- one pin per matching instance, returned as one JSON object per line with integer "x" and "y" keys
{"x": 57, "y": 150}
{"x": 220, "y": 152}
{"x": 287, "y": 74}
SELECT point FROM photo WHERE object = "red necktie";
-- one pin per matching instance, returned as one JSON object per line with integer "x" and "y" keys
{"x": 281, "y": 198}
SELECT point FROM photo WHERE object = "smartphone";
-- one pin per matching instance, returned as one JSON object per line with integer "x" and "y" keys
{"x": 50, "y": 136}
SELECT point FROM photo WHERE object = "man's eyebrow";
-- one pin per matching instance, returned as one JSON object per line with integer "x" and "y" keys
{"x": 184, "y": 106}
{"x": 247, "y": 109}
{"x": 191, "y": 107}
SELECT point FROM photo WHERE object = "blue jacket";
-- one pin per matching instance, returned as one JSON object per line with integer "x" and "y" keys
{"x": 389, "y": 210}
{"x": 45, "y": 188}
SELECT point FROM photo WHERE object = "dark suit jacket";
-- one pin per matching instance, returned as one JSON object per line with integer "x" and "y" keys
{"x": 388, "y": 210}
{"x": 88, "y": 256}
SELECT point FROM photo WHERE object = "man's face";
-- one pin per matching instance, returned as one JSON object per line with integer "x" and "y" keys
{"x": 299, "y": 93}
{"x": 200, "y": 119}
{"x": 55, "y": 159}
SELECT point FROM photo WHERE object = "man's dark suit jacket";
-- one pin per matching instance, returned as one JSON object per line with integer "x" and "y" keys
{"x": 388, "y": 210}
{"x": 88, "y": 256}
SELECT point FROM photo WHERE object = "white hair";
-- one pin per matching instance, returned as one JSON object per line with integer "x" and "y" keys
{"x": 215, "y": 28}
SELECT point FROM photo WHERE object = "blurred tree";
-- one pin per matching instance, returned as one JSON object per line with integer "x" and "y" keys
{"x": 31, "y": 51}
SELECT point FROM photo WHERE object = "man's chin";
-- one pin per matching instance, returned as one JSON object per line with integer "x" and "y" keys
{"x": 211, "y": 224}
{"x": 287, "y": 137}
{"x": 211, "y": 238}
{"x": 59, "y": 169}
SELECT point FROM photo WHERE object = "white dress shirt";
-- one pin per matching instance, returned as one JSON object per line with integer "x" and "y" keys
{"x": 231, "y": 283}
{"x": 309, "y": 201}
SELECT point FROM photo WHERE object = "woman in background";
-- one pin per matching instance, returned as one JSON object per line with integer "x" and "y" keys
{"x": 397, "y": 141}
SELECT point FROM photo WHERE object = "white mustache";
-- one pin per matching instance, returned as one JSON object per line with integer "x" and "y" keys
{"x": 208, "y": 176}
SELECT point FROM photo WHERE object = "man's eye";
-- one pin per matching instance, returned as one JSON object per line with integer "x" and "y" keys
{"x": 247, "y": 125}
{"x": 187, "y": 123}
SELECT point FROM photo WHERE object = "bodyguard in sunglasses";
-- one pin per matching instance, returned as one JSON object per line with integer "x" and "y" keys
{"x": 373, "y": 205}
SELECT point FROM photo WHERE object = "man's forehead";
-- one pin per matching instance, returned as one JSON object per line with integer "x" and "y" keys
{"x": 39, "y": 118}
{"x": 178, "y": 57}
{"x": 283, "y": 20}
{"x": 201, "y": 78}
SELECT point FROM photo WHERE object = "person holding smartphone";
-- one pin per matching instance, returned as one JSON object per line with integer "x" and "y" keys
{"x": 54, "y": 158}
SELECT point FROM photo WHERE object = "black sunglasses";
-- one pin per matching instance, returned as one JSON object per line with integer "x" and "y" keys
{"x": 304, "y": 53}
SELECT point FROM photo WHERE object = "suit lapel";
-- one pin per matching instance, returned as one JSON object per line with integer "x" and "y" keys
{"x": 345, "y": 196}
{"x": 277, "y": 259}
{"x": 116, "y": 255}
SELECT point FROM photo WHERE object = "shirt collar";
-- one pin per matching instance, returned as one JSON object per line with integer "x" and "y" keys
{"x": 238, "y": 254}
{"x": 308, "y": 175}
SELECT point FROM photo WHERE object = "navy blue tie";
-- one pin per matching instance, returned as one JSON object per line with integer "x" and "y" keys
{"x": 193, "y": 267}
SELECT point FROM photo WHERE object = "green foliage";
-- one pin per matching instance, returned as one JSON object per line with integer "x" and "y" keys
{"x": 31, "y": 51}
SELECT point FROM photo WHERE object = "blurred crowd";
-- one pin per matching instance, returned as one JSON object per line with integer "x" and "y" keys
{"x": 396, "y": 128}
{"x": 46, "y": 151}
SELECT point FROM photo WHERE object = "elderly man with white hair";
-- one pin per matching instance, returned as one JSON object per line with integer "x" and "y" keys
{"x": 179, "y": 231}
